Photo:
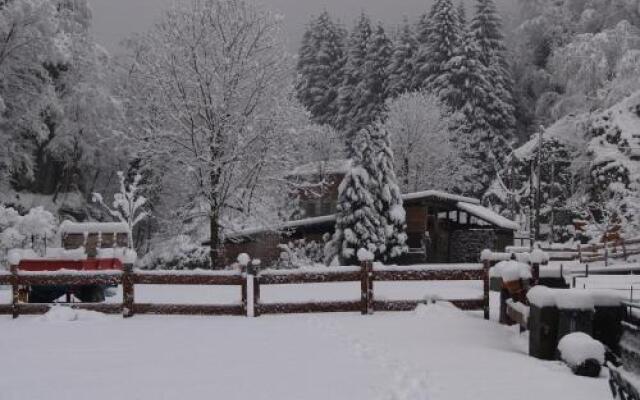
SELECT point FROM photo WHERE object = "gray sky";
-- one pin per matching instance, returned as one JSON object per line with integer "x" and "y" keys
{"x": 114, "y": 20}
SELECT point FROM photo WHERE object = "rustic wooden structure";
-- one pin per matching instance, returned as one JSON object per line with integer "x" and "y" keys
{"x": 94, "y": 235}
{"x": 366, "y": 274}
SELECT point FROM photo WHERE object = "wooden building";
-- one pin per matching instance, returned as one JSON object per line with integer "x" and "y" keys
{"x": 441, "y": 227}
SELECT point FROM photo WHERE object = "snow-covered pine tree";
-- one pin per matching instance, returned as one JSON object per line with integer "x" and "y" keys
{"x": 371, "y": 91}
{"x": 358, "y": 223}
{"x": 422, "y": 33}
{"x": 400, "y": 71}
{"x": 486, "y": 29}
{"x": 388, "y": 198}
{"x": 462, "y": 15}
{"x": 320, "y": 62}
{"x": 464, "y": 87}
{"x": 353, "y": 74}
{"x": 443, "y": 38}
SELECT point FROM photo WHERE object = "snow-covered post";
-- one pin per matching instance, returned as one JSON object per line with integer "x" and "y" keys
{"x": 244, "y": 261}
{"x": 366, "y": 280}
{"x": 14, "y": 290}
{"x": 485, "y": 257}
{"x": 536, "y": 257}
{"x": 127, "y": 291}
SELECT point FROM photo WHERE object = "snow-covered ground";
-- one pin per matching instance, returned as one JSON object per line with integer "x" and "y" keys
{"x": 437, "y": 352}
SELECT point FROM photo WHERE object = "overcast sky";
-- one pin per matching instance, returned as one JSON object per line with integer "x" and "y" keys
{"x": 114, "y": 20}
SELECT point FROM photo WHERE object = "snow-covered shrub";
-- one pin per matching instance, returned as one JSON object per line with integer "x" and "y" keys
{"x": 300, "y": 253}
{"x": 178, "y": 253}
{"x": 28, "y": 230}
{"x": 583, "y": 354}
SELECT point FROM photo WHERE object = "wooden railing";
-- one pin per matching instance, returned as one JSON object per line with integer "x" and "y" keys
{"x": 250, "y": 288}
{"x": 589, "y": 253}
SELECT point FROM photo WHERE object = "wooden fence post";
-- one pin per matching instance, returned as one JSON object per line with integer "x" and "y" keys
{"x": 579, "y": 253}
{"x": 128, "y": 300}
{"x": 366, "y": 288}
{"x": 624, "y": 249}
{"x": 370, "y": 287}
{"x": 486, "y": 288}
{"x": 256, "y": 296}
{"x": 243, "y": 294}
{"x": 15, "y": 291}
{"x": 535, "y": 273}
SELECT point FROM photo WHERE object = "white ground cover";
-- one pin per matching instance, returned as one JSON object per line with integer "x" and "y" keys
{"x": 437, "y": 352}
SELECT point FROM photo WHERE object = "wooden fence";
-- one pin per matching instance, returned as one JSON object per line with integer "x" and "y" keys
{"x": 589, "y": 253}
{"x": 250, "y": 304}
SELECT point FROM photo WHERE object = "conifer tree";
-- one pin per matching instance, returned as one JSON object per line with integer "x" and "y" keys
{"x": 400, "y": 71}
{"x": 354, "y": 73}
{"x": 358, "y": 223}
{"x": 320, "y": 63}
{"x": 388, "y": 196}
{"x": 462, "y": 15}
{"x": 371, "y": 91}
{"x": 442, "y": 37}
{"x": 486, "y": 29}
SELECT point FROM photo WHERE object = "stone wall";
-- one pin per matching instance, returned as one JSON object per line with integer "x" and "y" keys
{"x": 466, "y": 245}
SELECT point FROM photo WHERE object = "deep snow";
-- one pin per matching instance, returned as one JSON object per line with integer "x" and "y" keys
{"x": 435, "y": 353}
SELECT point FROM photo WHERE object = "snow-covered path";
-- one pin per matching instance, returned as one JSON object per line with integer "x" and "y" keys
{"x": 435, "y": 353}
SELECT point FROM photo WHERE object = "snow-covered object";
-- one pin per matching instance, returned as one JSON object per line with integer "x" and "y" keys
{"x": 541, "y": 296}
{"x": 58, "y": 253}
{"x": 365, "y": 255}
{"x": 538, "y": 256}
{"x": 17, "y": 255}
{"x": 439, "y": 195}
{"x": 243, "y": 259}
{"x": 256, "y": 262}
{"x": 511, "y": 271}
{"x": 578, "y": 347}
{"x": 124, "y": 254}
{"x": 486, "y": 255}
{"x": 70, "y": 227}
{"x": 488, "y": 215}
{"x": 570, "y": 299}
{"x": 68, "y": 314}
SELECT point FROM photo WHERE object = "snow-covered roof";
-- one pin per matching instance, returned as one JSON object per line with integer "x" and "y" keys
{"x": 437, "y": 194}
{"x": 488, "y": 215}
{"x": 323, "y": 167}
{"x": 93, "y": 227}
{"x": 283, "y": 226}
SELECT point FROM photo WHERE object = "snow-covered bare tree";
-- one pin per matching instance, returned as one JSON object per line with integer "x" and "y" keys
{"x": 128, "y": 204}
{"x": 420, "y": 132}
{"x": 213, "y": 78}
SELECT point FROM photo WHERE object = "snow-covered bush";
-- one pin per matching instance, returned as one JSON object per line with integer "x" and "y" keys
{"x": 128, "y": 204}
{"x": 178, "y": 253}
{"x": 583, "y": 354}
{"x": 31, "y": 229}
{"x": 300, "y": 253}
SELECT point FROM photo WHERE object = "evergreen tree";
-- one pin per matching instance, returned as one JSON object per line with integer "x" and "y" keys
{"x": 320, "y": 63}
{"x": 464, "y": 87}
{"x": 486, "y": 29}
{"x": 371, "y": 91}
{"x": 442, "y": 34}
{"x": 462, "y": 15}
{"x": 358, "y": 223}
{"x": 354, "y": 73}
{"x": 400, "y": 71}
{"x": 388, "y": 196}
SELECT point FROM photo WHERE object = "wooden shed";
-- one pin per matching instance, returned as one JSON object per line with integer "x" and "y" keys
{"x": 94, "y": 235}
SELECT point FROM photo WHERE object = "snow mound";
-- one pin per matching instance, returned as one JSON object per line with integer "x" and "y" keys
{"x": 541, "y": 296}
{"x": 68, "y": 314}
{"x": 574, "y": 300}
{"x": 365, "y": 255}
{"x": 244, "y": 259}
{"x": 511, "y": 271}
{"x": 578, "y": 347}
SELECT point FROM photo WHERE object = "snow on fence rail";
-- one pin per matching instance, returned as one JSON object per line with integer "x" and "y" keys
{"x": 584, "y": 253}
{"x": 367, "y": 273}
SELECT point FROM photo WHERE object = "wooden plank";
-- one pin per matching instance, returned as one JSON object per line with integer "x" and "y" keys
{"x": 311, "y": 307}
{"x": 516, "y": 316}
{"x": 6, "y": 309}
{"x": 409, "y": 305}
{"x": 429, "y": 275}
{"x": 5, "y": 279}
{"x": 68, "y": 279}
{"x": 142, "y": 278}
{"x": 292, "y": 278}
{"x": 188, "y": 309}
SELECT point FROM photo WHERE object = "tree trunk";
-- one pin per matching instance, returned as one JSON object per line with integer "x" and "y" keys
{"x": 215, "y": 254}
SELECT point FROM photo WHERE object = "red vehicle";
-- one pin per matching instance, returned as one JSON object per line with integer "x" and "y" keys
{"x": 82, "y": 244}
{"x": 48, "y": 294}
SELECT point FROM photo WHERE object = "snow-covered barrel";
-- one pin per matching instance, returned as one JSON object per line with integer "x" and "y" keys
{"x": 94, "y": 235}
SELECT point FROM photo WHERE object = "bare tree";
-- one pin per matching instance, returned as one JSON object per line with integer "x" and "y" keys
{"x": 212, "y": 81}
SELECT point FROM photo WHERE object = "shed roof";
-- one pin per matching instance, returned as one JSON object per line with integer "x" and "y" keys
{"x": 488, "y": 215}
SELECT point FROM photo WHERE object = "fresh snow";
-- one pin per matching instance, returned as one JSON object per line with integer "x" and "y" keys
{"x": 437, "y": 194}
{"x": 68, "y": 227}
{"x": 578, "y": 347}
{"x": 437, "y": 352}
{"x": 488, "y": 215}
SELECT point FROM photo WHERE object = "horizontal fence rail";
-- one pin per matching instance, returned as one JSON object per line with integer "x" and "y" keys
{"x": 250, "y": 288}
